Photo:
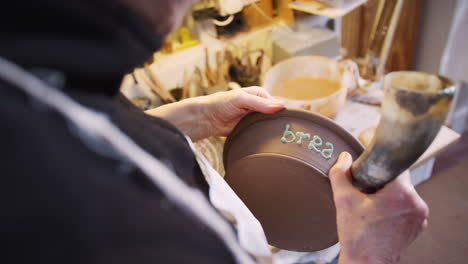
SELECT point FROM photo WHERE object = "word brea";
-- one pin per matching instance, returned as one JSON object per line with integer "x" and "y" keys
{"x": 315, "y": 143}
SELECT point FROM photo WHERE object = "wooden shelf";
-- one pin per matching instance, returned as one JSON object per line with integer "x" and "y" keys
{"x": 321, "y": 9}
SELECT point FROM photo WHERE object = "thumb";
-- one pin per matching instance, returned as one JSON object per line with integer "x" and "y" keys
{"x": 340, "y": 175}
{"x": 258, "y": 104}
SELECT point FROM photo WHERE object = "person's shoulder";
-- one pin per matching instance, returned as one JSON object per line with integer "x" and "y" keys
{"x": 21, "y": 116}
{"x": 52, "y": 177}
{"x": 33, "y": 137}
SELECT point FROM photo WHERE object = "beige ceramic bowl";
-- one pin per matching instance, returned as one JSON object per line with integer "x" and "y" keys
{"x": 311, "y": 66}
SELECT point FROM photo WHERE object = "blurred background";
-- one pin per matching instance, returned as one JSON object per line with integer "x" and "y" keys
{"x": 223, "y": 45}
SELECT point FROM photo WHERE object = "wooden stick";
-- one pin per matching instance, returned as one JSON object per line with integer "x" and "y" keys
{"x": 233, "y": 61}
{"x": 249, "y": 66}
{"x": 157, "y": 90}
{"x": 208, "y": 70}
{"x": 144, "y": 80}
{"x": 226, "y": 71}
{"x": 202, "y": 82}
{"x": 187, "y": 85}
{"x": 159, "y": 84}
{"x": 220, "y": 68}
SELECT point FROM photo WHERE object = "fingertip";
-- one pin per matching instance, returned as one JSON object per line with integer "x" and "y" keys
{"x": 273, "y": 108}
{"x": 276, "y": 105}
{"x": 342, "y": 155}
{"x": 259, "y": 104}
{"x": 425, "y": 224}
{"x": 277, "y": 101}
{"x": 345, "y": 159}
{"x": 340, "y": 172}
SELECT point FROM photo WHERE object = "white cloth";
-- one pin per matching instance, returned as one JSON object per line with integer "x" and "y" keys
{"x": 250, "y": 232}
{"x": 454, "y": 63}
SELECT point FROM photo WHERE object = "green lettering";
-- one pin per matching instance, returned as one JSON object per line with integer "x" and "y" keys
{"x": 287, "y": 133}
{"x": 315, "y": 142}
{"x": 302, "y": 136}
{"x": 327, "y": 153}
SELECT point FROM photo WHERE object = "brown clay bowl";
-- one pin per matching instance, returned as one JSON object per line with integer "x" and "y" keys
{"x": 278, "y": 165}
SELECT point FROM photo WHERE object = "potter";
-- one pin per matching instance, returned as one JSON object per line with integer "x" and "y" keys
{"x": 314, "y": 144}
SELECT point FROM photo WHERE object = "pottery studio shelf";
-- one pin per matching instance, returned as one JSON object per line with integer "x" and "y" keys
{"x": 317, "y": 8}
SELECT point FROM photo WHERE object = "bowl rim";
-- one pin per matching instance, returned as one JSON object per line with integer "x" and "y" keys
{"x": 320, "y": 120}
{"x": 448, "y": 85}
{"x": 342, "y": 89}
{"x": 305, "y": 57}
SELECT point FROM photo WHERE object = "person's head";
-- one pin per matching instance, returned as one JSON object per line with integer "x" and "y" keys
{"x": 164, "y": 16}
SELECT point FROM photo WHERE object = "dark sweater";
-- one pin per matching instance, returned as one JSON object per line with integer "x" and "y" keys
{"x": 60, "y": 201}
